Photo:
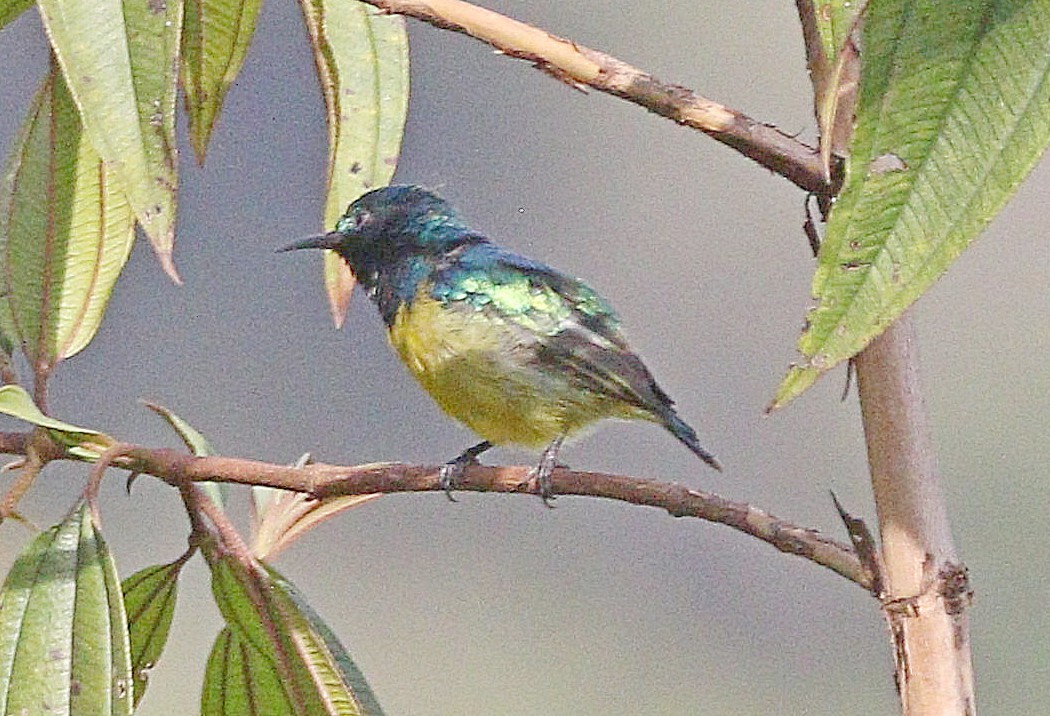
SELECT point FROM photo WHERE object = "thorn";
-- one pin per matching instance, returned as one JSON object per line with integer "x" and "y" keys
{"x": 865, "y": 547}
{"x": 131, "y": 479}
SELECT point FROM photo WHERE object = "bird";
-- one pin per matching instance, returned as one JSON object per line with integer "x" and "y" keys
{"x": 519, "y": 352}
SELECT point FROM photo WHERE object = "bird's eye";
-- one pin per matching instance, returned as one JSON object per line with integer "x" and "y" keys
{"x": 353, "y": 222}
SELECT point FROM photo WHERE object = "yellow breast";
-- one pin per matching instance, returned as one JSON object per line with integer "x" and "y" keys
{"x": 471, "y": 364}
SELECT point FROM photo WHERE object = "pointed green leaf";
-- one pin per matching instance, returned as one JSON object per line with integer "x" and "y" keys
{"x": 11, "y": 10}
{"x": 82, "y": 442}
{"x": 65, "y": 232}
{"x": 952, "y": 115}
{"x": 149, "y": 599}
{"x": 120, "y": 60}
{"x": 268, "y": 616}
{"x": 363, "y": 698}
{"x": 63, "y": 632}
{"x": 836, "y": 78}
{"x": 362, "y": 63}
{"x": 215, "y": 40}
{"x": 239, "y": 680}
{"x": 834, "y": 19}
{"x": 15, "y": 401}
{"x": 197, "y": 444}
{"x": 242, "y": 596}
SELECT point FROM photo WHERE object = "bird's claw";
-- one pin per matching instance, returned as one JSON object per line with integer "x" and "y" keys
{"x": 450, "y": 473}
{"x": 542, "y": 480}
{"x": 541, "y": 474}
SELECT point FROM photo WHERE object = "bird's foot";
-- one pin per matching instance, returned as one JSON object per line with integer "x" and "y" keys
{"x": 452, "y": 471}
{"x": 541, "y": 474}
{"x": 450, "y": 474}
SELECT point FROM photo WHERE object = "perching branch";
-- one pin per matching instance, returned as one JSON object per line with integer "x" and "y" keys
{"x": 583, "y": 67}
{"x": 322, "y": 481}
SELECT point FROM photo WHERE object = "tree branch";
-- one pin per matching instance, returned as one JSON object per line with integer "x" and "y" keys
{"x": 582, "y": 67}
{"x": 322, "y": 481}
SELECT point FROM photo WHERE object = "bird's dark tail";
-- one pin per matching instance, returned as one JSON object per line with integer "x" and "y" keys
{"x": 678, "y": 427}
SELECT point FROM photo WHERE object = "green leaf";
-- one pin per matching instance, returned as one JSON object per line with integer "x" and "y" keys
{"x": 834, "y": 72}
{"x": 215, "y": 40}
{"x": 240, "y": 680}
{"x": 952, "y": 115}
{"x": 120, "y": 60}
{"x": 834, "y": 20}
{"x": 63, "y": 633}
{"x": 83, "y": 442}
{"x": 197, "y": 444}
{"x": 65, "y": 232}
{"x": 11, "y": 10}
{"x": 362, "y": 64}
{"x": 364, "y": 700}
{"x": 270, "y": 619}
{"x": 149, "y": 599}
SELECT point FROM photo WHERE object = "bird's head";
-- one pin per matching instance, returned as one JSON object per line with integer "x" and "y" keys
{"x": 390, "y": 225}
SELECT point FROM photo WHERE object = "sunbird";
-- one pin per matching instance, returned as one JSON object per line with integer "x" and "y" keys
{"x": 519, "y": 352}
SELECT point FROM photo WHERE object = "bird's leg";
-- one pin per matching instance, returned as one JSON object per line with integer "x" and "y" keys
{"x": 542, "y": 472}
{"x": 452, "y": 470}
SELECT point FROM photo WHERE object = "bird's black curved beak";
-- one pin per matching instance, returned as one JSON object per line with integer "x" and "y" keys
{"x": 330, "y": 240}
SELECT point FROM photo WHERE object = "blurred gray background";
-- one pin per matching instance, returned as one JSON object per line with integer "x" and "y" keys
{"x": 495, "y": 605}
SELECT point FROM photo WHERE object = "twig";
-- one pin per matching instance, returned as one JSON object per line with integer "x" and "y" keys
{"x": 106, "y": 460}
{"x": 180, "y": 469}
{"x": 582, "y": 67}
{"x": 223, "y": 542}
{"x": 225, "y": 535}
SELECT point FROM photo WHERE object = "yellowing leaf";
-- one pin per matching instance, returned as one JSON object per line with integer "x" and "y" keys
{"x": 362, "y": 63}
{"x": 120, "y": 61}
{"x": 82, "y": 442}
{"x": 65, "y": 232}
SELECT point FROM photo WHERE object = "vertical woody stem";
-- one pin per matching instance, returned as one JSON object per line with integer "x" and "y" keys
{"x": 927, "y": 589}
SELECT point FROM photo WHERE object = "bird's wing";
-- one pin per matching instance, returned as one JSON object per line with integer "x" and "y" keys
{"x": 565, "y": 325}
